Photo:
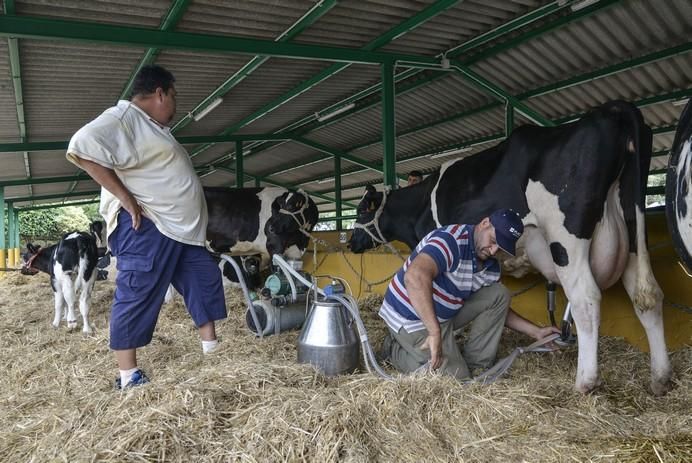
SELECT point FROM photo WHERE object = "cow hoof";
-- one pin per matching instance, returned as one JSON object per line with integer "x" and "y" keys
{"x": 55, "y": 325}
{"x": 661, "y": 387}
{"x": 588, "y": 387}
{"x": 72, "y": 324}
{"x": 86, "y": 330}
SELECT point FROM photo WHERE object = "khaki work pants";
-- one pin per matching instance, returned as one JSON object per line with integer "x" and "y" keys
{"x": 486, "y": 310}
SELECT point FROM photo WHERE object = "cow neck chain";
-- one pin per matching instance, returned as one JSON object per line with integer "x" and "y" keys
{"x": 302, "y": 225}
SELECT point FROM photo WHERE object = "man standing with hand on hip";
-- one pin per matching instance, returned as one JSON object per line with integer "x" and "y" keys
{"x": 156, "y": 218}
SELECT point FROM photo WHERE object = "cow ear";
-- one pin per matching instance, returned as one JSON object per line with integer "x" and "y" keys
{"x": 31, "y": 248}
{"x": 370, "y": 189}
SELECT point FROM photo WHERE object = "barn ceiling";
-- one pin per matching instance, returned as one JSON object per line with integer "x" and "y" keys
{"x": 301, "y": 81}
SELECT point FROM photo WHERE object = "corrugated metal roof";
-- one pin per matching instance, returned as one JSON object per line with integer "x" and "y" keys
{"x": 66, "y": 84}
{"x": 8, "y": 116}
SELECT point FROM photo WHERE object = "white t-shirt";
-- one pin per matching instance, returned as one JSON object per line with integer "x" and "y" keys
{"x": 151, "y": 164}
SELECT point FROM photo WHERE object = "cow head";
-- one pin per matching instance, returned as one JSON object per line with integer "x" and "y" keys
{"x": 294, "y": 215}
{"x": 28, "y": 259}
{"x": 362, "y": 236}
{"x": 293, "y": 211}
{"x": 96, "y": 228}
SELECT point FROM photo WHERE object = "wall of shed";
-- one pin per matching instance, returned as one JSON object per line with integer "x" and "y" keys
{"x": 617, "y": 318}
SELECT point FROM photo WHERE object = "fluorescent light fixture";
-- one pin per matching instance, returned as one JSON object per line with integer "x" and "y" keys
{"x": 443, "y": 154}
{"x": 325, "y": 180}
{"x": 681, "y": 102}
{"x": 583, "y": 4}
{"x": 209, "y": 172}
{"x": 342, "y": 109}
{"x": 197, "y": 117}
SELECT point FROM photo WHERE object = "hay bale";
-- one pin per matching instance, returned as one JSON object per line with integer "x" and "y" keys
{"x": 251, "y": 401}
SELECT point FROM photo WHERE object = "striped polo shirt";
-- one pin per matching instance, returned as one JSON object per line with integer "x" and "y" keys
{"x": 459, "y": 275}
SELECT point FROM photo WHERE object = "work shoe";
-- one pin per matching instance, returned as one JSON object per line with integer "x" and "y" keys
{"x": 138, "y": 379}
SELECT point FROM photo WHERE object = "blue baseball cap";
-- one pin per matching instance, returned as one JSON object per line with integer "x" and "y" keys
{"x": 508, "y": 229}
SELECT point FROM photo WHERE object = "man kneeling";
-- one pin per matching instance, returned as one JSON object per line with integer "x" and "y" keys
{"x": 448, "y": 281}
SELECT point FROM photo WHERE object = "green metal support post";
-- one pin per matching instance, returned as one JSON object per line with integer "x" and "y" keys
{"x": 10, "y": 228}
{"x": 257, "y": 182}
{"x": 509, "y": 119}
{"x": 337, "y": 190}
{"x": 388, "y": 129}
{"x": 239, "y": 172}
{"x": 16, "y": 230}
{"x": 3, "y": 255}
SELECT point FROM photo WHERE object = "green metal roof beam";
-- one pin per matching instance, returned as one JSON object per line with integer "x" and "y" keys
{"x": 610, "y": 70}
{"x": 174, "y": 14}
{"x": 283, "y": 185}
{"x": 41, "y": 28}
{"x": 510, "y": 26}
{"x": 380, "y": 41}
{"x": 16, "y": 72}
{"x": 345, "y": 156}
{"x": 548, "y": 27}
{"x": 44, "y": 180}
{"x": 316, "y": 12}
{"x": 56, "y": 205}
{"x": 187, "y": 140}
{"x": 15, "y": 69}
{"x": 500, "y": 136}
{"x": 564, "y": 84}
{"x": 498, "y": 92}
{"x": 339, "y": 217}
{"x": 53, "y": 196}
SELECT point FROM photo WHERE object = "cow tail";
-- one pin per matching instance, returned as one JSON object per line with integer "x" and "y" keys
{"x": 86, "y": 245}
{"x": 635, "y": 144}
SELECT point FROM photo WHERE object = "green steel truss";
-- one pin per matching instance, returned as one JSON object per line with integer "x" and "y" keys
{"x": 461, "y": 56}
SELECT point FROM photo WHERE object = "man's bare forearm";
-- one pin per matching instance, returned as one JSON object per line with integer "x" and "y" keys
{"x": 106, "y": 178}
{"x": 520, "y": 324}
{"x": 419, "y": 289}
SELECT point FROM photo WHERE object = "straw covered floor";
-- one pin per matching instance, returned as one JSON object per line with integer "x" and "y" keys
{"x": 251, "y": 401}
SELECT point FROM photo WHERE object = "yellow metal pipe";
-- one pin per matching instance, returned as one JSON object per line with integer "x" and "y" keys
{"x": 3, "y": 261}
{"x": 17, "y": 257}
{"x": 10, "y": 257}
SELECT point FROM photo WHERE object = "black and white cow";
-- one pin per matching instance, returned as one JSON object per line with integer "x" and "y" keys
{"x": 250, "y": 222}
{"x": 580, "y": 190}
{"x": 679, "y": 188}
{"x": 71, "y": 265}
{"x": 259, "y": 221}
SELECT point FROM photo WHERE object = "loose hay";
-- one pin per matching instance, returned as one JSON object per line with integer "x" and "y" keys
{"x": 250, "y": 401}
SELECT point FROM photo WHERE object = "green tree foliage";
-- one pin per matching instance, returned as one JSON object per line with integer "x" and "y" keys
{"x": 40, "y": 224}
{"x": 92, "y": 212}
{"x": 71, "y": 218}
{"x": 48, "y": 225}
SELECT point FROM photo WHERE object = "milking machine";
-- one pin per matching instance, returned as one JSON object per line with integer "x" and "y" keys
{"x": 331, "y": 325}
{"x": 566, "y": 337}
{"x": 328, "y": 339}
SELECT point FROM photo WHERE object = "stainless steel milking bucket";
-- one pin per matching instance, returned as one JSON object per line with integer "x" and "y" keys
{"x": 328, "y": 340}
